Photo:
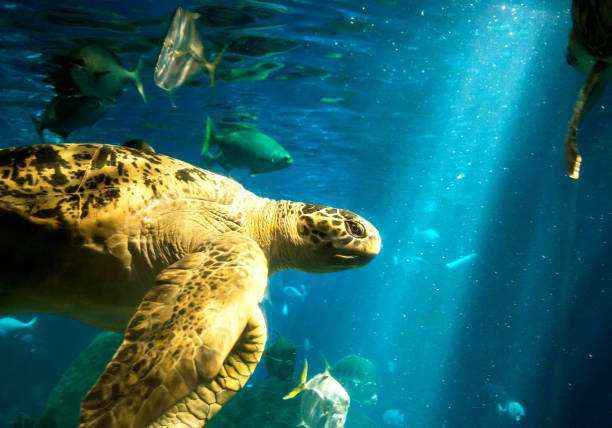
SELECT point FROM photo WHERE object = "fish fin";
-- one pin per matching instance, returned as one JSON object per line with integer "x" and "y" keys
{"x": 32, "y": 322}
{"x": 209, "y": 136}
{"x": 300, "y": 387}
{"x": 325, "y": 362}
{"x": 100, "y": 74}
{"x": 171, "y": 99}
{"x": 136, "y": 79}
{"x": 139, "y": 144}
{"x": 594, "y": 83}
{"x": 38, "y": 125}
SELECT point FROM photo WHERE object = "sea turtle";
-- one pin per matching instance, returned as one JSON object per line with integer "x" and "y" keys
{"x": 590, "y": 50}
{"x": 177, "y": 256}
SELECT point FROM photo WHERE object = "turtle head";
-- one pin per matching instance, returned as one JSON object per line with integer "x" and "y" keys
{"x": 330, "y": 239}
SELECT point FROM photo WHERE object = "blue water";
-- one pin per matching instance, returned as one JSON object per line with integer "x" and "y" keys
{"x": 451, "y": 117}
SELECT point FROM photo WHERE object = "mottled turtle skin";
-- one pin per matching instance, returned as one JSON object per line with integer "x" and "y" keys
{"x": 175, "y": 256}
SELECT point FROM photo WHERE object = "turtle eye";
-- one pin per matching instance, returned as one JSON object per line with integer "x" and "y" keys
{"x": 355, "y": 229}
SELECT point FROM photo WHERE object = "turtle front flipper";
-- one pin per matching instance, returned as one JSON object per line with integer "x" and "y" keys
{"x": 192, "y": 343}
{"x": 199, "y": 407}
{"x": 590, "y": 91}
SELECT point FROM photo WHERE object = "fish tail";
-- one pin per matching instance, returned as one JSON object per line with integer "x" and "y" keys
{"x": 302, "y": 384}
{"x": 32, "y": 322}
{"x": 38, "y": 125}
{"x": 211, "y": 67}
{"x": 209, "y": 136}
{"x": 135, "y": 74}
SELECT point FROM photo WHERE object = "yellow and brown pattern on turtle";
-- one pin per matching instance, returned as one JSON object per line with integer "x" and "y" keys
{"x": 176, "y": 256}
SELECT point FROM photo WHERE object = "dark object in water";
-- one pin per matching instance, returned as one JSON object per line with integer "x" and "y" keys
{"x": 590, "y": 50}
{"x": 223, "y": 16}
{"x": 358, "y": 376}
{"x": 21, "y": 420}
{"x": 252, "y": 45}
{"x": 139, "y": 144}
{"x": 279, "y": 358}
{"x": 64, "y": 115}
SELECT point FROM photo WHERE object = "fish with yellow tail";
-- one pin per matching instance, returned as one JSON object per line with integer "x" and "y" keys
{"x": 325, "y": 402}
{"x": 182, "y": 53}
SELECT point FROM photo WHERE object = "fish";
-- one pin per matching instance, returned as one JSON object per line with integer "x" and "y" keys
{"x": 10, "y": 326}
{"x": 64, "y": 115}
{"x": 428, "y": 236}
{"x": 460, "y": 261}
{"x": 325, "y": 402}
{"x": 182, "y": 53}
{"x": 259, "y": 71}
{"x": 394, "y": 418}
{"x": 294, "y": 293}
{"x": 279, "y": 358}
{"x": 244, "y": 147}
{"x": 513, "y": 409}
{"x": 96, "y": 71}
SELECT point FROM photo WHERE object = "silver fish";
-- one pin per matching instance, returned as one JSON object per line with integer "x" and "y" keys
{"x": 325, "y": 402}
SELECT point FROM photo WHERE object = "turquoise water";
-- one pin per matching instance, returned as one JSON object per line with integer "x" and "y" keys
{"x": 442, "y": 122}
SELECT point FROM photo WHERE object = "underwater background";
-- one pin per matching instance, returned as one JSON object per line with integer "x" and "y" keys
{"x": 442, "y": 122}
